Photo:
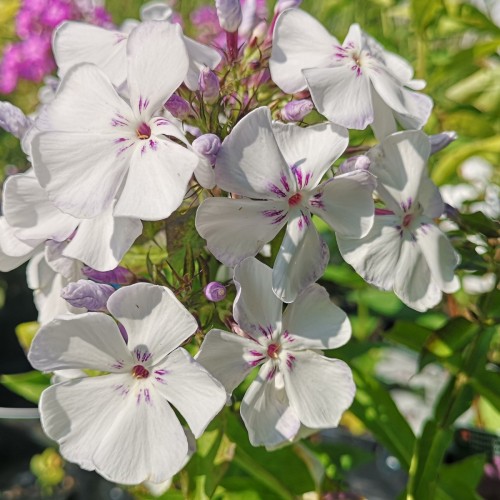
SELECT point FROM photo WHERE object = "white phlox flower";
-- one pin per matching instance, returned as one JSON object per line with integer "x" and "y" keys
{"x": 100, "y": 242}
{"x": 75, "y": 42}
{"x": 278, "y": 169}
{"x": 121, "y": 423}
{"x": 354, "y": 84}
{"x": 405, "y": 250}
{"x": 95, "y": 146}
{"x": 296, "y": 385}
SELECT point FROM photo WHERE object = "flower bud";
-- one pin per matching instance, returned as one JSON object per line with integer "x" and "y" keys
{"x": 207, "y": 145}
{"x": 155, "y": 11}
{"x": 178, "y": 106}
{"x": 85, "y": 293}
{"x": 258, "y": 34}
{"x": 229, "y": 14}
{"x": 118, "y": 276}
{"x": 360, "y": 162}
{"x": 294, "y": 111}
{"x": 282, "y": 5}
{"x": 215, "y": 291}
{"x": 440, "y": 141}
{"x": 209, "y": 85}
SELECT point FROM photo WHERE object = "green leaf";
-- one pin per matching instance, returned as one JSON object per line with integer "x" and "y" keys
{"x": 460, "y": 479}
{"x": 453, "y": 337}
{"x": 479, "y": 223}
{"x": 374, "y": 406}
{"x": 426, "y": 461}
{"x": 409, "y": 335}
{"x": 424, "y": 12}
{"x": 25, "y": 333}
{"x": 29, "y": 385}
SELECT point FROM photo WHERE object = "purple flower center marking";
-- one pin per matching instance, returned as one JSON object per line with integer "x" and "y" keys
{"x": 138, "y": 371}
{"x": 273, "y": 350}
{"x": 294, "y": 199}
{"x": 143, "y": 131}
{"x": 407, "y": 220}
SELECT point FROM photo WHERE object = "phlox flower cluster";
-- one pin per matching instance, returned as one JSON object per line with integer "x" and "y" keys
{"x": 147, "y": 123}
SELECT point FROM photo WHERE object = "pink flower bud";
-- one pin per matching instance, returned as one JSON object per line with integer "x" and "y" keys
{"x": 360, "y": 162}
{"x": 207, "y": 145}
{"x": 118, "y": 276}
{"x": 209, "y": 85}
{"x": 258, "y": 34}
{"x": 178, "y": 106}
{"x": 215, "y": 291}
{"x": 229, "y": 14}
{"x": 87, "y": 294}
{"x": 294, "y": 111}
{"x": 440, "y": 141}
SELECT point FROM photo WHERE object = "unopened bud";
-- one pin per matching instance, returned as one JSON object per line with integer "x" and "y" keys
{"x": 215, "y": 291}
{"x": 258, "y": 34}
{"x": 294, "y": 111}
{"x": 209, "y": 85}
{"x": 85, "y": 293}
{"x": 155, "y": 11}
{"x": 178, "y": 106}
{"x": 360, "y": 162}
{"x": 282, "y": 5}
{"x": 118, "y": 276}
{"x": 207, "y": 145}
{"x": 229, "y": 14}
{"x": 440, "y": 141}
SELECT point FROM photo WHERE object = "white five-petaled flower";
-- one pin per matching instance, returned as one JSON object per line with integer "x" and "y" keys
{"x": 121, "y": 424}
{"x": 95, "y": 146}
{"x": 100, "y": 242}
{"x": 405, "y": 250}
{"x": 278, "y": 169}
{"x": 296, "y": 385}
{"x": 354, "y": 84}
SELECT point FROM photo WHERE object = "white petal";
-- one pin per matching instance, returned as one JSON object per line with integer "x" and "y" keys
{"x": 204, "y": 174}
{"x": 199, "y": 55}
{"x": 414, "y": 284}
{"x": 256, "y": 309}
{"x": 346, "y": 203}
{"x": 320, "y": 389}
{"x": 13, "y": 120}
{"x": 388, "y": 88}
{"x": 239, "y": 228}
{"x": 384, "y": 122}
{"x": 28, "y": 210}
{"x": 102, "y": 242}
{"x": 299, "y": 41}
{"x": 86, "y": 102}
{"x": 189, "y": 387}
{"x": 156, "y": 181}
{"x": 266, "y": 411}
{"x": 313, "y": 321}
{"x": 310, "y": 151}
{"x": 102, "y": 424}
{"x": 341, "y": 95}
{"x": 76, "y": 42}
{"x": 154, "y": 319}
{"x": 440, "y": 255}
{"x": 157, "y": 65}
{"x": 81, "y": 172}
{"x": 89, "y": 340}
{"x": 301, "y": 260}
{"x": 430, "y": 198}
{"x": 418, "y": 109}
{"x": 399, "y": 164}
{"x": 66, "y": 266}
{"x": 13, "y": 251}
{"x": 375, "y": 256}
{"x": 250, "y": 163}
{"x": 223, "y": 355}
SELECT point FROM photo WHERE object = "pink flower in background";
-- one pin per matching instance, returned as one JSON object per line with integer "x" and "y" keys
{"x": 31, "y": 58}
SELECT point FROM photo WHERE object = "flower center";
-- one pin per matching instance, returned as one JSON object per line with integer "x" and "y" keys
{"x": 138, "y": 371}
{"x": 143, "y": 131}
{"x": 294, "y": 199}
{"x": 407, "y": 219}
{"x": 273, "y": 350}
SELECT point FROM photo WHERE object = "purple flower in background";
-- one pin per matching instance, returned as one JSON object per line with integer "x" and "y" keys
{"x": 118, "y": 276}
{"x": 178, "y": 106}
{"x": 209, "y": 85}
{"x": 31, "y": 58}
